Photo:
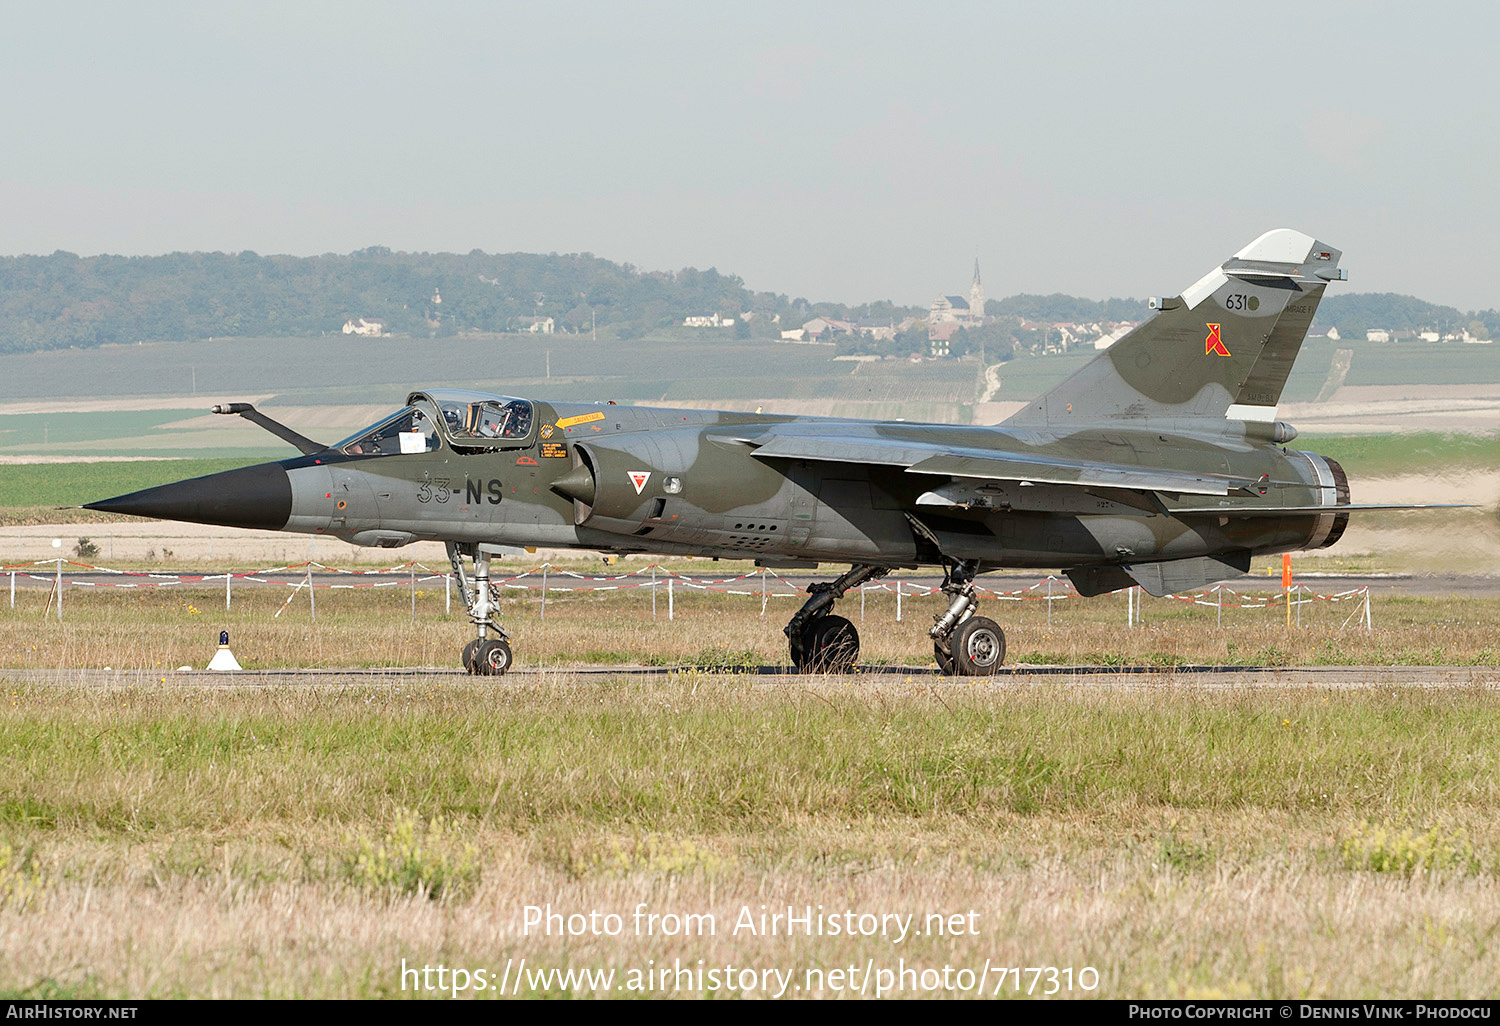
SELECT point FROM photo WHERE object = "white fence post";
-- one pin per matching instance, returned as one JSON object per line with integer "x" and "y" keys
{"x": 447, "y": 593}
{"x": 669, "y": 598}
{"x": 544, "y": 591}
{"x": 898, "y": 600}
{"x": 653, "y": 591}
{"x": 227, "y": 578}
{"x": 312, "y": 603}
{"x": 59, "y": 590}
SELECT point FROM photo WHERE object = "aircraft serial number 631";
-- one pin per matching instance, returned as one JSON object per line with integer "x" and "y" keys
{"x": 1159, "y": 463}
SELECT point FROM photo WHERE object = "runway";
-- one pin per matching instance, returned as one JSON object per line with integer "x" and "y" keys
{"x": 520, "y": 678}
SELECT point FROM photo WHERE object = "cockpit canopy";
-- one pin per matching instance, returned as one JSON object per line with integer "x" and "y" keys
{"x": 471, "y": 421}
{"x": 410, "y": 430}
{"x": 489, "y": 421}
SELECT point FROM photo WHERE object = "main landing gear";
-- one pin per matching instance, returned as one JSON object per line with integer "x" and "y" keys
{"x": 484, "y": 655}
{"x": 965, "y": 645}
{"x": 821, "y": 642}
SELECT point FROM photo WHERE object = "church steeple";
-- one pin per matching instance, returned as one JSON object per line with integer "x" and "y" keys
{"x": 976, "y": 296}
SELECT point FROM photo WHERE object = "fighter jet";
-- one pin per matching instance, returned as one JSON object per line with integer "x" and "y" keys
{"x": 1160, "y": 463}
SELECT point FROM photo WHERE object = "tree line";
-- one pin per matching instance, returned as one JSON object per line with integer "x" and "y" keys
{"x": 62, "y": 300}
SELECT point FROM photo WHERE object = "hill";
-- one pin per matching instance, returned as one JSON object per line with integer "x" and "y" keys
{"x": 63, "y": 300}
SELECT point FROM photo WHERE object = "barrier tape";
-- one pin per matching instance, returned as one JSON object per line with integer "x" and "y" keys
{"x": 659, "y": 574}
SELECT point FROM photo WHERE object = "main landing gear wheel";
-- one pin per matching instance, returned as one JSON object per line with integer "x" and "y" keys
{"x": 819, "y": 641}
{"x": 491, "y": 658}
{"x": 978, "y": 647}
{"x": 965, "y": 645}
{"x": 830, "y": 644}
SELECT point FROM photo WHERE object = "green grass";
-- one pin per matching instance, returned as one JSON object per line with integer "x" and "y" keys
{"x": 300, "y": 841}
{"x": 1421, "y": 452}
{"x": 67, "y": 484}
{"x": 1428, "y": 363}
{"x": 36, "y": 430}
{"x": 166, "y": 627}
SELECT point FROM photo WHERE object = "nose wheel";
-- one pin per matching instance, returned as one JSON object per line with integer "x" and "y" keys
{"x": 484, "y": 656}
{"x": 488, "y": 658}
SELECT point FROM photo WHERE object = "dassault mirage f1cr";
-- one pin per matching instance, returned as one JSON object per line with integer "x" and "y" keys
{"x": 1161, "y": 463}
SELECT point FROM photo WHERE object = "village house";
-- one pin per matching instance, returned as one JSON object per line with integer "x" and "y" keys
{"x": 711, "y": 321}
{"x": 367, "y": 328}
{"x": 820, "y": 326}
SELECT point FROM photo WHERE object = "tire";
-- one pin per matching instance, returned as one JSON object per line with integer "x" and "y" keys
{"x": 469, "y": 659}
{"x": 944, "y": 659}
{"x": 830, "y": 644}
{"x": 492, "y": 658}
{"x": 978, "y": 646}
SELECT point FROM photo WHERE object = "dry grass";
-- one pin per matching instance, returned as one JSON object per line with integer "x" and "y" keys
{"x": 174, "y": 626}
{"x": 285, "y": 842}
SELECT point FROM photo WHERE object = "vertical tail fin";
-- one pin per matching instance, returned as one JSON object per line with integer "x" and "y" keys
{"x": 1222, "y": 349}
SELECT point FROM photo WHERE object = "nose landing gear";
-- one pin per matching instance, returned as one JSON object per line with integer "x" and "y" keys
{"x": 485, "y": 656}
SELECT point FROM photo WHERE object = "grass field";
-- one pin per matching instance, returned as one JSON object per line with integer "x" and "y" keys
{"x": 57, "y": 484}
{"x": 172, "y": 626}
{"x": 1417, "y": 452}
{"x": 163, "y": 841}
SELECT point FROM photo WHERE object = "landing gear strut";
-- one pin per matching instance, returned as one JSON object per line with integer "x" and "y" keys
{"x": 484, "y": 655}
{"x": 821, "y": 642}
{"x": 964, "y": 644}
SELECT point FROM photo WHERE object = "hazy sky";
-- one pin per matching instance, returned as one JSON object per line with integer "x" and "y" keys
{"x": 836, "y": 151}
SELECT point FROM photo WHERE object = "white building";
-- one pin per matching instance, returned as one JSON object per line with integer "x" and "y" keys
{"x": 360, "y": 326}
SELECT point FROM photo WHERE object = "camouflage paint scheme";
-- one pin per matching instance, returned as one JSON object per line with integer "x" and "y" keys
{"x": 1160, "y": 463}
{"x": 1089, "y": 476}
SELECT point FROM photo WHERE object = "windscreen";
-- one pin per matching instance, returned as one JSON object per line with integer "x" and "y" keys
{"x": 409, "y": 431}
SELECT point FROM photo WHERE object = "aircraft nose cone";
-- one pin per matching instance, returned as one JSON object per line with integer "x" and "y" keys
{"x": 258, "y": 496}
